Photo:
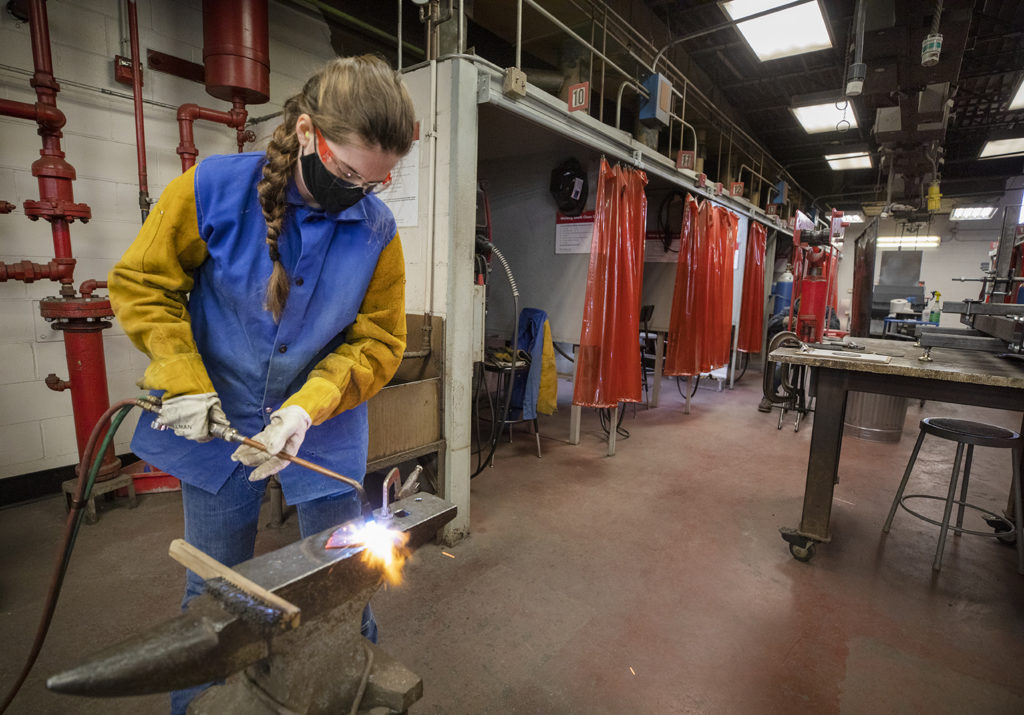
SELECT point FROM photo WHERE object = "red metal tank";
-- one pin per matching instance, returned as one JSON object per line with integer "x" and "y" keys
{"x": 236, "y": 50}
{"x": 811, "y": 319}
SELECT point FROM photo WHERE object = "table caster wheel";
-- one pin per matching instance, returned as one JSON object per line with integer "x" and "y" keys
{"x": 802, "y": 553}
{"x": 1001, "y": 527}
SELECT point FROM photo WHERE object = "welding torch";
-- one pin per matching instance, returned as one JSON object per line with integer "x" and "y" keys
{"x": 230, "y": 434}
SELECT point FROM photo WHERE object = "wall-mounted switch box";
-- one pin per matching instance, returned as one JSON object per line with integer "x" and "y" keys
{"x": 515, "y": 82}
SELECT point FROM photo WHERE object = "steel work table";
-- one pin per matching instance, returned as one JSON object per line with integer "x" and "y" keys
{"x": 959, "y": 376}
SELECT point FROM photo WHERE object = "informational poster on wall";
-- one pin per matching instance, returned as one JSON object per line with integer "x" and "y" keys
{"x": 402, "y": 195}
{"x": 655, "y": 250}
{"x": 574, "y": 234}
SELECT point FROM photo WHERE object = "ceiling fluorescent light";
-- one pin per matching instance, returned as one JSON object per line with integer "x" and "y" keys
{"x": 825, "y": 118}
{"x": 998, "y": 148}
{"x": 972, "y": 213}
{"x": 785, "y": 33}
{"x": 853, "y": 217}
{"x": 1018, "y": 98}
{"x": 854, "y": 160}
{"x": 911, "y": 243}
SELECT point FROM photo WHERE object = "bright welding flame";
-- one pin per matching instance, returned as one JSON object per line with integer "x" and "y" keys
{"x": 383, "y": 548}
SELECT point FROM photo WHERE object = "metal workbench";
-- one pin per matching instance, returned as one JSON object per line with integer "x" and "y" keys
{"x": 959, "y": 376}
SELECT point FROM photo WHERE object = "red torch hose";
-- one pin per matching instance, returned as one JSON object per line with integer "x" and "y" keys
{"x": 57, "y": 579}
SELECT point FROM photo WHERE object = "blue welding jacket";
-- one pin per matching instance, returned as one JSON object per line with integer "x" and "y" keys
{"x": 255, "y": 364}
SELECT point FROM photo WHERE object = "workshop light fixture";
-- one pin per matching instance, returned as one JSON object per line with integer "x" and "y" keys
{"x": 826, "y": 117}
{"x": 789, "y": 32}
{"x": 853, "y": 217}
{"x": 1018, "y": 97}
{"x": 1000, "y": 148}
{"x": 972, "y": 213}
{"x": 910, "y": 243}
{"x": 853, "y": 160}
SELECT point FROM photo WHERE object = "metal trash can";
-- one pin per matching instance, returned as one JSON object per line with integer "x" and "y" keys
{"x": 874, "y": 417}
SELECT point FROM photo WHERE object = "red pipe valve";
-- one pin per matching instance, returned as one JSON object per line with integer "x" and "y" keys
{"x": 85, "y": 314}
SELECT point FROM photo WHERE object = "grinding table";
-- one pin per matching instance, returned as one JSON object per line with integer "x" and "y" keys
{"x": 958, "y": 376}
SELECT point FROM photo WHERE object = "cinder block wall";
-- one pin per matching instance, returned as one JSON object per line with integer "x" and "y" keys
{"x": 36, "y": 424}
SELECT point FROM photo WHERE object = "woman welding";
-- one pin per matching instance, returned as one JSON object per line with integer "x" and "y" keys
{"x": 268, "y": 290}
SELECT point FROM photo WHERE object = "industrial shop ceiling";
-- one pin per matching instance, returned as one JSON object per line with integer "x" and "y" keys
{"x": 959, "y": 104}
{"x": 911, "y": 120}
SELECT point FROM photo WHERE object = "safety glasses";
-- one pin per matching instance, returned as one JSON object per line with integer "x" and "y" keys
{"x": 345, "y": 173}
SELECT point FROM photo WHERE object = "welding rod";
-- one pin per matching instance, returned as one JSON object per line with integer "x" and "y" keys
{"x": 230, "y": 434}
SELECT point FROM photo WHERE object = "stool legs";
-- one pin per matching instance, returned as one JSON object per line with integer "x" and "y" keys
{"x": 536, "y": 434}
{"x": 903, "y": 483}
{"x": 937, "y": 564}
{"x": 963, "y": 489}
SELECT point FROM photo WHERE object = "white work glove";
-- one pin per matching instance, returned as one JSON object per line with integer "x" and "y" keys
{"x": 191, "y": 416}
{"x": 285, "y": 433}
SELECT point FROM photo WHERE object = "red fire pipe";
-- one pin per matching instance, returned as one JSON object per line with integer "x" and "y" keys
{"x": 59, "y": 269}
{"x": 236, "y": 54}
{"x": 87, "y": 288}
{"x": 82, "y": 319}
{"x": 189, "y": 113}
{"x": 140, "y": 129}
{"x": 45, "y": 115}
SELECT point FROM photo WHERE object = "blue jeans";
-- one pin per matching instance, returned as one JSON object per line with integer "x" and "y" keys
{"x": 224, "y": 526}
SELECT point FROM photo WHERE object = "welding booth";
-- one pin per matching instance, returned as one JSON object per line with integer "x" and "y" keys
{"x": 551, "y": 258}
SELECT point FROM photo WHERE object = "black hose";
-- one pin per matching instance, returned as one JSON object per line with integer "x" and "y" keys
{"x": 679, "y": 387}
{"x": 605, "y": 416}
{"x": 663, "y": 218}
{"x": 785, "y": 338}
{"x": 86, "y": 478}
{"x": 746, "y": 363}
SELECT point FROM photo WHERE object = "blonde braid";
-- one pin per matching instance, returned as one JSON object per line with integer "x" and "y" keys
{"x": 282, "y": 156}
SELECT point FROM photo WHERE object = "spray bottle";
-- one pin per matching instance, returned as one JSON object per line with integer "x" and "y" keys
{"x": 935, "y": 307}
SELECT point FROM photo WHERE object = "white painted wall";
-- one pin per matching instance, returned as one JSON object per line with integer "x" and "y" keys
{"x": 36, "y": 427}
{"x": 523, "y": 223}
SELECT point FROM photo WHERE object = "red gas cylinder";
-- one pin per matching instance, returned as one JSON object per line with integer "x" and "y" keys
{"x": 811, "y": 320}
{"x": 236, "y": 50}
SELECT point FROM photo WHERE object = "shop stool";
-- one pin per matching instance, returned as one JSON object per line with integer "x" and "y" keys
{"x": 971, "y": 435}
{"x": 121, "y": 481}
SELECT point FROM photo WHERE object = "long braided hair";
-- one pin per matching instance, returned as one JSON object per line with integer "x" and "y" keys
{"x": 350, "y": 99}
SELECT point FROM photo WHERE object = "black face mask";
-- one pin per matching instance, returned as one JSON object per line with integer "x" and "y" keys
{"x": 328, "y": 190}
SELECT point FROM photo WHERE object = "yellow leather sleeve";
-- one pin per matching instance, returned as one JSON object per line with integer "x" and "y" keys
{"x": 149, "y": 287}
{"x": 547, "y": 393}
{"x": 372, "y": 350}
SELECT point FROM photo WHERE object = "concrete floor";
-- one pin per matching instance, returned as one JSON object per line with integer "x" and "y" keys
{"x": 651, "y": 582}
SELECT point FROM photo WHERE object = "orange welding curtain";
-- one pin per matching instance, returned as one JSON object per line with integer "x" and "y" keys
{"x": 752, "y": 301}
{"x": 700, "y": 324}
{"x": 608, "y": 361}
